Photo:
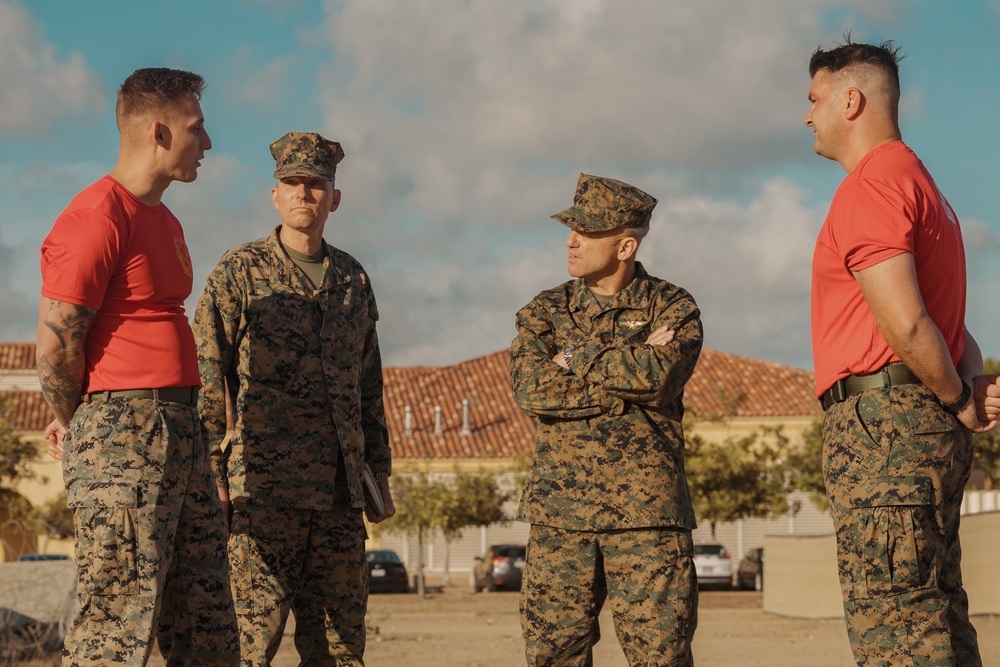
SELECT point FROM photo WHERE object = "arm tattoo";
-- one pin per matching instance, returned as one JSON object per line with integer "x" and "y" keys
{"x": 61, "y": 370}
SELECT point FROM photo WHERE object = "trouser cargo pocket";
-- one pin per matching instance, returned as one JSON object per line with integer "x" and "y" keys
{"x": 896, "y": 548}
{"x": 104, "y": 516}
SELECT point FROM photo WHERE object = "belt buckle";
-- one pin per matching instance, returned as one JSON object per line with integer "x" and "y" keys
{"x": 838, "y": 392}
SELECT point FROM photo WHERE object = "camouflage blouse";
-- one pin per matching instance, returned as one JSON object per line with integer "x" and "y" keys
{"x": 304, "y": 374}
{"x": 609, "y": 447}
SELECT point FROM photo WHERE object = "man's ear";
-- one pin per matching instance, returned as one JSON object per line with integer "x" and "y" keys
{"x": 855, "y": 104}
{"x": 627, "y": 248}
{"x": 336, "y": 200}
{"x": 161, "y": 134}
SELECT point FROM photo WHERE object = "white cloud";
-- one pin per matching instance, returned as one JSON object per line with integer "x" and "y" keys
{"x": 978, "y": 237}
{"x": 261, "y": 86}
{"x": 39, "y": 85}
{"x": 749, "y": 267}
{"x": 20, "y": 314}
{"x": 466, "y": 124}
{"x": 648, "y": 83}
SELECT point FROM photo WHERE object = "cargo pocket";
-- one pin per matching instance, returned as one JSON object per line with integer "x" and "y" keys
{"x": 897, "y": 549}
{"x": 106, "y": 546}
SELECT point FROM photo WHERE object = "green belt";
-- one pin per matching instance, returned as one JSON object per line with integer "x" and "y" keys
{"x": 188, "y": 395}
{"x": 889, "y": 375}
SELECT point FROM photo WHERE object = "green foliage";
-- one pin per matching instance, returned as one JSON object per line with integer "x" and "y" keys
{"x": 419, "y": 500}
{"x": 16, "y": 455}
{"x": 471, "y": 500}
{"x": 425, "y": 504}
{"x": 54, "y": 519}
{"x": 449, "y": 504}
{"x": 737, "y": 478}
{"x": 805, "y": 466}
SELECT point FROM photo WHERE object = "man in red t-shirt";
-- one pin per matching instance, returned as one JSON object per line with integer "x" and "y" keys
{"x": 118, "y": 367}
{"x": 897, "y": 372}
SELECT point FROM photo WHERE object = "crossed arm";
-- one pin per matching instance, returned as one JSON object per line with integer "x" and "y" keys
{"x": 650, "y": 370}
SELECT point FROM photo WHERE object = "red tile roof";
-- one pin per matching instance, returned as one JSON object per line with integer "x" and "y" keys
{"x": 25, "y": 411}
{"x": 755, "y": 388}
{"x": 17, "y": 356}
{"x": 722, "y": 384}
{"x": 499, "y": 429}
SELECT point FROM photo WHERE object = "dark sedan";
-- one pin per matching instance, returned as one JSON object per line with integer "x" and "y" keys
{"x": 750, "y": 573}
{"x": 500, "y": 568}
{"x": 386, "y": 573}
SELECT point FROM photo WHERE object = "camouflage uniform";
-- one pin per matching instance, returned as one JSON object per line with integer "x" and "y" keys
{"x": 304, "y": 375}
{"x": 149, "y": 541}
{"x": 607, "y": 498}
{"x": 896, "y": 464}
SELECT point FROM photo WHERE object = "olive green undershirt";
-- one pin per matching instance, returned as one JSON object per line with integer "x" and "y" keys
{"x": 311, "y": 265}
{"x": 603, "y": 299}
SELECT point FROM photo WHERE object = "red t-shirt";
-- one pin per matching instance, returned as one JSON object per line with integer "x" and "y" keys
{"x": 887, "y": 205}
{"x": 111, "y": 252}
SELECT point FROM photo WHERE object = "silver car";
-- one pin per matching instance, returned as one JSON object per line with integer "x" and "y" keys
{"x": 713, "y": 564}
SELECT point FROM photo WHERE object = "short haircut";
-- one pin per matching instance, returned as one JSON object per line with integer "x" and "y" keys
{"x": 883, "y": 57}
{"x": 638, "y": 233}
{"x": 154, "y": 88}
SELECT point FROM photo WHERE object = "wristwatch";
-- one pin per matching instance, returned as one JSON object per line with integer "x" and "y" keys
{"x": 568, "y": 353}
{"x": 959, "y": 402}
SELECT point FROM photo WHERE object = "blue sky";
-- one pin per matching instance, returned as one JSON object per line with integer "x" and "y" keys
{"x": 466, "y": 124}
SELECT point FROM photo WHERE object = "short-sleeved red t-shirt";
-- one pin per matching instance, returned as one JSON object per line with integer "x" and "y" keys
{"x": 111, "y": 252}
{"x": 887, "y": 205}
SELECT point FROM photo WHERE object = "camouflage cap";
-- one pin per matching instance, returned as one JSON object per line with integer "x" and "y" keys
{"x": 306, "y": 154}
{"x": 604, "y": 203}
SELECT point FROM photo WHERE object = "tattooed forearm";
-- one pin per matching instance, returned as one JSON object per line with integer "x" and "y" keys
{"x": 62, "y": 331}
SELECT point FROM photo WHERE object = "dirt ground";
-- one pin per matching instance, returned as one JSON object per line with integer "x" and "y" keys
{"x": 465, "y": 629}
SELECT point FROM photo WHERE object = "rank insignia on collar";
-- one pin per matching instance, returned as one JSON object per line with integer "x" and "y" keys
{"x": 633, "y": 324}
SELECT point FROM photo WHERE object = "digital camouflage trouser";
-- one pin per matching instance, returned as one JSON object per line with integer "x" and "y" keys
{"x": 896, "y": 464}
{"x": 310, "y": 562}
{"x": 150, "y": 538}
{"x": 648, "y": 575}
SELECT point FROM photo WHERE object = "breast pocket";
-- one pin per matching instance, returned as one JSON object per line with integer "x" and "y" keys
{"x": 346, "y": 323}
{"x": 282, "y": 330}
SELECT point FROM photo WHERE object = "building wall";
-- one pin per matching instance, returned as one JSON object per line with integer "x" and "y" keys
{"x": 796, "y": 564}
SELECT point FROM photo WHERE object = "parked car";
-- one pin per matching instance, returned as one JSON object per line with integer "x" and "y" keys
{"x": 386, "y": 572}
{"x": 750, "y": 573}
{"x": 713, "y": 565}
{"x": 500, "y": 568}
{"x": 37, "y": 557}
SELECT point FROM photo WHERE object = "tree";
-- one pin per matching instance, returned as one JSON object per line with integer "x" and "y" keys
{"x": 805, "y": 466}
{"x": 419, "y": 502}
{"x": 16, "y": 455}
{"x": 54, "y": 519}
{"x": 471, "y": 499}
{"x": 737, "y": 478}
